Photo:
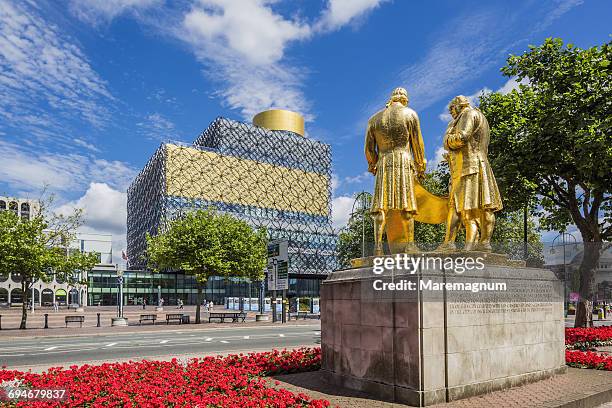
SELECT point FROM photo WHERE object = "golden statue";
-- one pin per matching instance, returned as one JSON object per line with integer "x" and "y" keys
{"x": 395, "y": 153}
{"x": 474, "y": 196}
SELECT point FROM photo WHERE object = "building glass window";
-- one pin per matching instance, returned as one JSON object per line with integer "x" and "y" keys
{"x": 25, "y": 211}
{"x": 14, "y": 207}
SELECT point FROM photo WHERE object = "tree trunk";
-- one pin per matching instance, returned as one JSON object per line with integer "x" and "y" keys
{"x": 590, "y": 260}
{"x": 199, "y": 296}
{"x": 24, "y": 304}
{"x": 584, "y": 314}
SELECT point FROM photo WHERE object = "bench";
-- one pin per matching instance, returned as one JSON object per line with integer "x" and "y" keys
{"x": 145, "y": 317}
{"x": 74, "y": 319}
{"x": 305, "y": 315}
{"x": 235, "y": 316}
{"x": 174, "y": 316}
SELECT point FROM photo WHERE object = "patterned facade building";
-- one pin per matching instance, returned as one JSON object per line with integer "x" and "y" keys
{"x": 270, "y": 178}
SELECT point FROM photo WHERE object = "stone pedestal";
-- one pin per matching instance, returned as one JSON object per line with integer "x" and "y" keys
{"x": 426, "y": 346}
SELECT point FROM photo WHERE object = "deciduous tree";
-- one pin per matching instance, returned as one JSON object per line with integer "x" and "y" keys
{"x": 551, "y": 145}
{"x": 204, "y": 243}
{"x": 38, "y": 248}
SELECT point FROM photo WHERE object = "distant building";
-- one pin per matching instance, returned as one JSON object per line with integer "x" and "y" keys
{"x": 56, "y": 290}
{"x": 570, "y": 272}
{"x": 277, "y": 179}
{"x": 22, "y": 207}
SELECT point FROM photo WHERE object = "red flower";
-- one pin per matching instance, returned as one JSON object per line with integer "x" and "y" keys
{"x": 232, "y": 381}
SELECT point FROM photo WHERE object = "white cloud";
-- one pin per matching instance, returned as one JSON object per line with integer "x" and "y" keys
{"x": 432, "y": 164}
{"x": 96, "y": 11}
{"x": 335, "y": 182}
{"x": 341, "y": 12}
{"x": 27, "y": 170}
{"x": 158, "y": 127}
{"x": 44, "y": 75}
{"x": 445, "y": 117}
{"x": 341, "y": 211}
{"x": 360, "y": 178}
{"x": 104, "y": 212}
{"x": 510, "y": 85}
{"x": 471, "y": 44}
{"x": 104, "y": 208}
{"x": 242, "y": 44}
{"x": 250, "y": 29}
{"x": 83, "y": 143}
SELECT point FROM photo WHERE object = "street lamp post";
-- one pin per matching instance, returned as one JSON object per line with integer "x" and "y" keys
{"x": 562, "y": 236}
{"x": 119, "y": 320}
{"x": 275, "y": 275}
{"x": 361, "y": 203}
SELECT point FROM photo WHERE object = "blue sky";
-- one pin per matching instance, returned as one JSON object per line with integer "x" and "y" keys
{"x": 89, "y": 88}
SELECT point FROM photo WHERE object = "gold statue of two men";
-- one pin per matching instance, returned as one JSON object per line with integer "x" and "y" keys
{"x": 395, "y": 153}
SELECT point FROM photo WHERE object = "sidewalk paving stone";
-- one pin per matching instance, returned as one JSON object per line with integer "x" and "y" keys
{"x": 579, "y": 388}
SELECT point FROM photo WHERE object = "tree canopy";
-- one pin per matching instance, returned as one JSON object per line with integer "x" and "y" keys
{"x": 551, "y": 143}
{"x": 38, "y": 248}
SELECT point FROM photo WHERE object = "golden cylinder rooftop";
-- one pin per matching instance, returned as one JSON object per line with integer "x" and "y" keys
{"x": 280, "y": 119}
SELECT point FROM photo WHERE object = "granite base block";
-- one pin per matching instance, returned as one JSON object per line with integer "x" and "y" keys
{"x": 422, "y": 348}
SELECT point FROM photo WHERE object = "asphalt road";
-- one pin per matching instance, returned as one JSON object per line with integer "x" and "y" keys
{"x": 40, "y": 353}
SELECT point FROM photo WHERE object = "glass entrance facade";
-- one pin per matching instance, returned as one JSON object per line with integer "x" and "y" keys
{"x": 139, "y": 285}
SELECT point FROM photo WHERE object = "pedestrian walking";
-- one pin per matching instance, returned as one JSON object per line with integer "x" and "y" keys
{"x": 180, "y": 303}
{"x": 55, "y": 306}
{"x": 144, "y": 304}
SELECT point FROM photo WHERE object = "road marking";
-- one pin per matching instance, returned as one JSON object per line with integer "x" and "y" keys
{"x": 110, "y": 344}
{"x": 224, "y": 342}
{"x": 164, "y": 341}
{"x": 281, "y": 335}
{"x": 317, "y": 333}
{"x": 246, "y": 337}
{"x": 209, "y": 339}
{"x": 51, "y": 348}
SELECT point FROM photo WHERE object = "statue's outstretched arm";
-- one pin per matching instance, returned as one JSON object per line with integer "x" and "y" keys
{"x": 371, "y": 153}
{"x": 418, "y": 147}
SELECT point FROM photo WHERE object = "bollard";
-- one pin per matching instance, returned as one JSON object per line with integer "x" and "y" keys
{"x": 284, "y": 311}
{"x": 0, "y": 322}
{"x": 274, "y": 318}
{"x": 46, "y": 320}
{"x": 98, "y": 320}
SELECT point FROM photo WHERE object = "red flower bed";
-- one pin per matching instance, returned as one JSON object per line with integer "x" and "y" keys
{"x": 588, "y": 359}
{"x": 232, "y": 381}
{"x": 579, "y": 340}
{"x": 588, "y": 337}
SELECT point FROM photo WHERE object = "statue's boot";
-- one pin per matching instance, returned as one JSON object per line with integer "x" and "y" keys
{"x": 484, "y": 247}
{"x": 447, "y": 247}
{"x": 411, "y": 248}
